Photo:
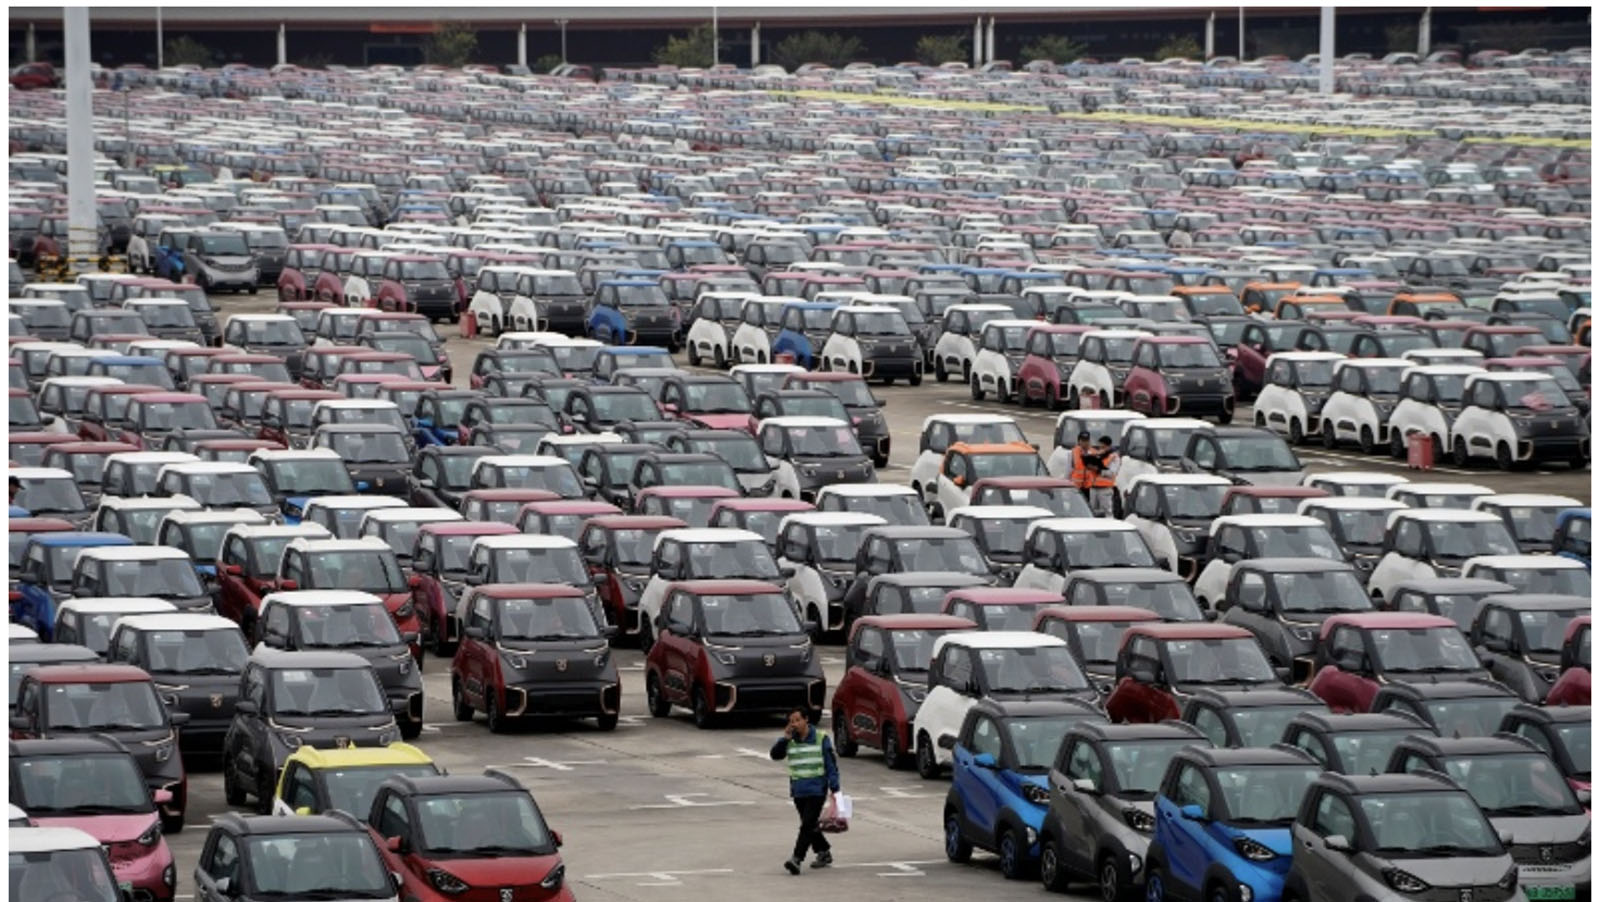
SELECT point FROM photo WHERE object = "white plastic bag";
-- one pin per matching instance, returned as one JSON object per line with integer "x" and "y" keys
{"x": 836, "y": 814}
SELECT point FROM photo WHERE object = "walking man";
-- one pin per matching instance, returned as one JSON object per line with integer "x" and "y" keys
{"x": 813, "y": 774}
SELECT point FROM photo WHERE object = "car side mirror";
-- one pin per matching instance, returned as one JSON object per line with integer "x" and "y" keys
{"x": 425, "y": 483}
{"x": 1193, "y": 812}
{"x": 161, "y": 797}
{"x": 1232, "y": 557}
{"x": 959, "y": 482}
{"x": 1506, "y": 839}
{"x": 273, "y": 640}
{"x": 813, "y": 629}
{"x": 1584, "y": 796}
{"x": 1497, "y": 645}
{"x": 224, "y": 886}
{"x": 1337, "y": 843}
{"x": 473, "y": 579}
{"x": 786, "y": 571}
{"x": 1086, "y": 786}
{"x": 474, "y": 632}
{"x": 20, "y": 722}
{"x": 555, "y": 837}
{"x": 245, "y": 706}
{"x": 411, "y": 638}
{"x": 947, "y": 742}
{"x": 397, "y": 845}
{"x": 881, "y": 402}
{"x": 985, "y": 761}
{"x": 288, "y": 585}
{"x": 608, "y": 631}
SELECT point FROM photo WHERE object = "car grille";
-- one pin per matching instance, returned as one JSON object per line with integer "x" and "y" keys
{"x": 1525, "y": 854}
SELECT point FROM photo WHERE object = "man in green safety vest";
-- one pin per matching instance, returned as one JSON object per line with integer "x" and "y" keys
{"x": 813, "y": 774}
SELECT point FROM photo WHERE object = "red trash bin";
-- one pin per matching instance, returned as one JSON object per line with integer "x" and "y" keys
{"x": 1419, "y": 451}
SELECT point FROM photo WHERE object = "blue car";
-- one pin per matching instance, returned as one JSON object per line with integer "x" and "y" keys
{"x": 1572, "y": 535}
{"x": 438, "y": 419}
{"x": 1222, "y": 824}
{"x": 632, "y": 312}
{"x": 1000, "y": 787}
{"x": 802, "y": 331}
{"x": 44, "y": 578}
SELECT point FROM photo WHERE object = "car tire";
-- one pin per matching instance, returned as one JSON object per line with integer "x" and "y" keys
{"x": 1155, "y": 882}
{"x": 647, "y": 637}
{"x": 927, "y": 762}
{"x": 843, "y": 742}
{"x": 966, "y": 371}
{"x": 977, "y": 389}
{"x": 458, "y": 703}
{"x": 1112, "y": 875}
{"x": 700, "y": 708}
{"x": 956, "y": 847}
{"x": 694, "y": 355}
{"x": 853, "y": 368}
{"x": 939, "y": 372}
{"x": 498, "y": 722}
{"x": 720, "y": 358}
{"x": 232, "y": 792}
{"x": 1459, "y": 453}
{"x": 1397, "y": 443}
{"x": 264, "y": 790}
{"x": 1053, "y": 872}
{"x": 1503, "y": 458}
{"x": 410, "y": 729}
{"x": 1014, "y": 863}
{"x": 1366, "y": 440}
{"x": 1052, "y": 397}
{"x": 1297, "y": 435}
{"x": 894, "y": 757}
{"x": 173, "y": 823}
{"x": 607, "y": 721}
{"x": 1000, "y": 393}
{"x": 914, "y": 380}
{"x": 1330, "y": 439}
{"x": 1225, "y": 417}
{"x": 655, "y": 699}
{"x": 1219, "y": 893}
{"x": 879, "y": 462}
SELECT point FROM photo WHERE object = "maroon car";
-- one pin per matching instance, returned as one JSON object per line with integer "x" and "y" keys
{"x": 885, "y": 681}
{"x": 1179, "y": 375}
{"x": 1160, "y": 662}
{"x": 563, "y": 518}
{"x": 1359, "y": 652}
{"x": 439, "y": 566}
{"x": 1052, "y": 352}
{"x": 617, "y": 549}
{"x": 1267, "y": 499}
{"x": 691, "y": 503}
{"x": 1093, "y": 634}
{"x": 500, "y": 505}
{"x": 301, "y": 267}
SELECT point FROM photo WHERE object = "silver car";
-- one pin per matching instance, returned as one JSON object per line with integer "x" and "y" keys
{"x": 1396, "y": 836}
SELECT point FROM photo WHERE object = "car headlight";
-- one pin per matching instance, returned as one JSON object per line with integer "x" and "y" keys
{"x": 151, "y": 835}
{"x": 388, "y": 736}
{"x": 1036, "y": 794}
{"x": 169, "y": 876}
{"x": 553, "y": 880}
{"x": 804, "y": 649}
{"x": 1139, "y": 820}
{"x": 726, "y": 657}
{"x": 1408, "y": 883}
{"x": 446, "y": 882}
{"x": 601, "y": 659}
{"x": 405, "y": 662}
{"x": 1509, "y": 881}
{"x": 917, "y": 693}
{"x": 1253, "y": 850}
{"x": 634, "y": 586}
{"x": 163, "y": 751}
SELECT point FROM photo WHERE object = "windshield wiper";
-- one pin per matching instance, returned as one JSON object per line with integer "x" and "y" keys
{"x": 754, "y": 632}
{"x": 333, "y": 712}
{"x": 498, "y": 850}
{"x": 1437, "y": 668}
{"x": 209, "y": 671}
{"x": 547, "y": 637}
{"x": 1443, "y": 850}
{"x": 1261, "y": 820}
{"x": 1530, "y": 809}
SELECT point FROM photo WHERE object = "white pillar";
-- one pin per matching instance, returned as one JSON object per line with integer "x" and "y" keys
{"x": 1325, "y": 78}
{"x": 161, "y": 45}
{"x": 522, "y": 44}
{"x": 755, "y": 45}
{"x": 716, "y": 42}
{"x": 1241, "y": 34}
{"x": 989, "y": 53}
{"x": 1211, "y": 35}
{"x": 82, "y": 234}
{"x": 283, "y": 44}
{"x": 1424, "y": 33}
{"x": 977, "y": 43}
{"x": 563, "y": 24}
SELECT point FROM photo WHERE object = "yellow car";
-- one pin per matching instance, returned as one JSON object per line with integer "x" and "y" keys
{"x": 316, "y": 780}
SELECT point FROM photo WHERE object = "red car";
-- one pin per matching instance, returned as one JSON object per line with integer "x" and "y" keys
{"x": 707, "y": 400}
{"x": 104, "y": 409}
{"x": 563, "y": 518}
{"x": 1571, "y": 688}
{"x": 725, "y": 645}
{"x": 247, "y": 569}
{"x": 416, "y": 283}
{"x": 999, "y": 607}
{"x": 28, "y": 449}
{"x": 617, "y": 549}
{"x": 233, "y": 450}
{"x": 152, "y": 416}
{"x": 690, "y": 503}
{"x": 758, "y": 515}
{"x": 32, "y": 76}
{"x": 329, "y": 283}
{"x": 1058, "y": 496}
{"x": 1357, "y": 653}
{"x": 1093, "y": 633}
{"x": 301, "y": 267}
{"x": 366, "y": 360}
{"x": 508, "y": 666}
{"x": 1052, "y": 352}
{"x": 1501, "y": 341}
{"x": 1160, "y": 662}
{"x": 1179, "y": 375}
{"x": 438, "y": 577}
{"x": 885, "y": 681}
{"x": 500, "y": 505}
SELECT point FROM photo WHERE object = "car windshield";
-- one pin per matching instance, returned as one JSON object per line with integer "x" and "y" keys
{"x": 108, "y": 707}
{"x": 50, "y": 495}
{"x": 614, "y": 407}
{"x": 1428, "y": 825}
{"x": 1514, "y": 785}
{"x": 913, "y": 649}
{"x": 311, "y": 477}
{"x": 716, "y": 397}
{"x": 529, "y": 362}
{"x": 326, "y": 692}
{"x": 1257, "y": 454}
{"x": 985, "y": 466}
{"x": 376, "y": 447}
{"x": 1577, "y": 739}
{"x": 385, "y": 416}
{"x": 1065, "y": 344}
{"x": 1296, "y": 541}
{"x": 224, "y": 245}
{"x": 213, "y": 651}
{"x": 1544, "y": 580}
{"x": 1169, "y": 600}
{"x": 1544, "y": 632}
{"x": 634, "y": 547}
{"x": 519, "y": 415}
{"x": 1536, "y": 397}
{"x": 317, "y": 866}
{"x": 1469, "y": 716}
{"x": 1427, "y": 650}
{"x": 1361, "y": 528}
{"x": 1193, "y": 502}
{"x": 802, "y": 406}
{"x": 823, "y": 441}
{"x": 538, "y": 565}
{"x": 544, "y": 286}
{"x": 639, "y": 295}
{"x": 957, "y": 554}
{"x": 1458, "y": 541}
{"x": 1314, "y": 374}
{"x": 78, "y": 785}
{"x": 1189, "y": 355}
{"x": 1261, "y": 727}
{"x": 1099, "y": 640}
{"x": 369, "y": 571}
{"x": 1218, "y": 661}
{"x": 1037, "y": 739}
{"x": 1329, "y": 592}
{"x": 228, "y": 489}
{"x": 740, "y": 451}
{"x": 1048, "y": 668}
{"x": 1140, "y": 765}
{"x": 573, "y": 358}
{"x": 881, "y": 324}
{"x": 406, "y": 343}
{"x": 350, "y": 789}
{"x": 81, "y": 875}
{"x": 765, "y": 614}
{"x": 418, "y": 270}
{"x": 149, "y": 579}
{"x": 701, "y": 473}
{"x": 489, "y": 823}
{"x": 546, "y": 618}
{"x": 1112, "y": 548}
{"x": 1264, "y": 794}
{"x": 562, "y": 479}
{"x": 1170, "y": 444}
{"x": 164, "y": 315}
{"x": 345, "y": 626}
{"x": 988, "y": 433}
{"x": 747, "y": 559}
{"x": 1368, "y": 751}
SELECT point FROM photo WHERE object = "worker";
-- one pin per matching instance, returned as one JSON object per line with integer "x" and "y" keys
{"x": 1102, "y": 465}
{"x": 813, "y": 774}
{"x": 1080, "y": 475}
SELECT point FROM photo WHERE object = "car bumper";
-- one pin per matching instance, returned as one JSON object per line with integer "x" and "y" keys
{"x": 891, "y": 367}
{"x": 144, "y": 869}
{"x": 580, "y": 698}
{"x": 1197, "y": 405}
{"x": 1564, "y": 448}
{"x": 779, "y": 694}
{"x": 560, "y": 317}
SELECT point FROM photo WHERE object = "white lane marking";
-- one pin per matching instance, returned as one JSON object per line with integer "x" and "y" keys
{"x": 657, "y": 878}
{"x": 896, "y": 868}
{"x": 682, "y": 800}
{"x": 554, "y": 765}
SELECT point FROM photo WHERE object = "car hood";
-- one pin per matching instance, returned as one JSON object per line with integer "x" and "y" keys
{"x": 107, "y": 828}
{"x": 739, "y": 422}
{"x": 1447, "y": 872}
{"x": 500, "y": 870}
{"x": 1542, "y": 829}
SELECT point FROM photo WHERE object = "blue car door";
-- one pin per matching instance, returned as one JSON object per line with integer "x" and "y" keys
{"x": 1183, "y": 839}
{"x": 977, "y": 765}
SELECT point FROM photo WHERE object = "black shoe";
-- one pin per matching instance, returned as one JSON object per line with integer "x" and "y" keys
{"x": 824, "y": 859}
{"x": 792, "y": 866}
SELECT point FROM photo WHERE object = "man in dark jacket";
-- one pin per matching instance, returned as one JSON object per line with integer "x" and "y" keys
{"x": 813, "y": 774}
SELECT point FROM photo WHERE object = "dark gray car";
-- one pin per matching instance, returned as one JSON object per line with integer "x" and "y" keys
{"x": 1284, "y": 601}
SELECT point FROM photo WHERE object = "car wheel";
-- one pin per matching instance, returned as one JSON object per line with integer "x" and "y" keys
{"x": 1072, "y": 399}
{"x": 1013, "y": 855}
{"x": 720, "y": 358}
{"x": 1366, "y": 440}
{"x": 761, "y": 357}
{"x": 694, "y": 354}
{"x": 853, "y": 368}
{"x": 1260, "y": 420}
{"x": 1155, "y": 883}
{"x": 1219, "y": 893}
{"x": 894, "y": 757}
{"x": 956, "y": 847}
{"x": 880, "y": 461}
{"x": 1460, "y": 455}
{"x": 1503, "y": 458}
{"x": 265, "y": 788}
{"x": 232, "y": 792}
{"x": 700, "y": 707}
{"x": 1397, "y": 443}
{"x": 939, "y": 373}
{"x": 966, "y": 371}
{"x": 927, "y": 763}
{"x": 498, "y": 722}
{"x": 647, "y": 637}
{"x": 1225, "y": 417}
{"x": 607, "y": 722}
{"x": 494, "y": 325}
{"x": 1053, "y": 871}
{"x": 1330, "y": 439}
{"x": 458, "y": 702}
{"x": 441, "y": 647}
{"x": 977, "y": 390}
{"x": 1113, "y": 881}
{"x": 410, "y": 729}
{"x": 914, "y": 380}
{"x": 655, "y": 698}
{"x": 1052, "y": 398}
{"x": 935, "y": 513}
{"x": 1297, "y": 435}
{"x": 1000, "y": 393}
{"x": 843, "y": 742}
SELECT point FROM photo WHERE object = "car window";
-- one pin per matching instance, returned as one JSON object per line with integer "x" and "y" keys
{"x": 224, "y": 863}
{"x": 869, "y": 648}
{"x": 986, "y": 737}
{"x": 1408, "y": 539}
{"x": 299, "y": 789}
{"x": 1497, "y": 624}
{"x": 1083, "y": 763}
{"x": 277, "y": 622}
{"x": 1209, "y": 722}
{"x": 957, "y": 669}
{"x": 1532, "y": 733}
{"x": 1312, "y": 743}
{"x": 1333, "y": 817}
{"x": 393, "y": 820}
{"x": 1190, "y": 788}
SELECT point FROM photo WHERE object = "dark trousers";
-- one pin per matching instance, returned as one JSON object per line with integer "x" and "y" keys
{"x": 810, "y": 808}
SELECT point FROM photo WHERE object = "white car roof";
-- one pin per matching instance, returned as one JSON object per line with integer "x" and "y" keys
{"x": 1172, "y": 423}
{"x": 81, "y": 381}
{"x": 209, "y": 468}
{"x": 29, "y": 473}
{"x": 270, "y": 455}
{"x": 524, "y": 541}
{"x": 598, "y": 438}
{"x": 1443, "y": 515}
{"x": 765, "y": 368}
{"x": 312, "y": 546}
{"x": 1000, "y": 512}
{"x": 241, "y": 515}
{"x": 1177, "y": 479}
{"x": 355, "y": 404}
{"x": 833, "y": 518}
{"x": 48, "y": 839}
{"x": 1525, "y": 500}
{"x": 304, "y": 598}
{"x": 133, "y": 553}
{"x": 302, "y": 529}
{"x": 866, "y": 490}
{"x": 1358, "y": 477}
{"x": 1438, "y": 488}
{"x": 1080, "y": 524}
{"x": 1264, "y": 521}
{"x": 261, "y": 318}
{"x": 113, "y": 605}
{"x": 1524, "y": 561}
{"x": 519, "y": 460}
{"x": 800, "y": 423}
{"x": 413, "y": 515}
{"x": 1105, "y": 415}
{"x": 154, "y": 457}
{"x": 355, "y": 502}
{"x": 1306, "y": 356}
{"x": 1374, "y": 363}
{"x": 182, "y": 620}
{"x": 709, "y": 534}
{"x": 968, "y": 419}
{"x": 997, "y": 639}
{"x": 147, "y": 502}
{"x": 1350, "y": 504}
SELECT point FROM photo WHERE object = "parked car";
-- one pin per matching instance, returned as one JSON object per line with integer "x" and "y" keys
{"x": 1520, "y": 638}
{"x": 885, "y": 681}
{"x": 1354, "y": 744}
{"x": 243, "y": 858}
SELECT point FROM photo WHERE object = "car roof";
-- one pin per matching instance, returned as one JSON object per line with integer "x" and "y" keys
{"x": 522, "y": 540}
{"x": 709, "y": 534}
{"x": 23, "y": 840}
{"x": 987, "y": 595}
{"x": 306, "y": 598}
{"x": 133, "y": 553}
{"x": 916, "y": 622}
{"x": 116, "y": 604}
{"x": 394, "y": 754}
{"x": 1080, "y": 524}
{"x": 179, "y": 621}
{"x": 1000, "y": 639}
{"x": 279, "y": 659}
{"x": 527, "y": 590}
{"x": 270, "y": 825}
{"x": 1541, "y": 601}
{"x": 89, "y": 673}
{"x": 1174, "y": 631}
{"x": 1331, "y": 722}
{"x": 1292, "y": 565}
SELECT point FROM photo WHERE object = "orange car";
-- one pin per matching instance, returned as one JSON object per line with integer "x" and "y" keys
{"x": 965, "y": 464}
{"x": 1259, "y": 296}
{"x": 1296, "y": 306}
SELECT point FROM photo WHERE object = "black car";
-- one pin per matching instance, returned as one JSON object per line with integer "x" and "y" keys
{"x": 1240, "y": 718}
{"x": 442, "y": 474}
{"x": 1520, "y": 637}
{"x": 1154, "y": 589}
{"x": 665, "y": 468}
{"x": 352, "y": 622}
{"x": 908, "y": 549}
{"x": 552, "y": 390}
{"x": 195, "y": 659}
{"x": 1284, "y": 601}
{"x": 737, "y": 447}
{"x": 607, "y": 470}
{"x": 481, "y": 413}
{"x": 1352, "y": 743}
{"x": 244, "y": 859}
{"x": 1472, "y": 707}
{"x": 374, "y": 454}
{"x": 597, "y": 408}
{"x": 1562, "y": 731}
{"x": 864, "y": 408}
{"x": 525, "y": 361}
{"x": 1456, "y": 597}
{"x": 649, "y": 432}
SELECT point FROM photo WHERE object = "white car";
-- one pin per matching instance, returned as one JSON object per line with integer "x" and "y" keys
{"x": 873, "y": 341}
{"x": 1105, "y": 357}
{"x": 1354, "y": 484}
{"x": 1531, "y": 518}
{"x": 762, "y": 377}
{"x": 1443, "y": 356}
{"x": 962, "y": 468}
{"x": 1422, "y": 544}
{"x": 61, "y": 400}
{"x": 1365, "y": 392}
{"x": 1001, "y": 346}
{"x": 1000, "y": 531}
{"x": 1095, "y": 422}
{"x": 490, "y": 305}
{"x": 1149, "y": 447}
{"x": 1517, "y": 418}
{"x": 570, "y": 448}
{"x": 1239, "y": 537}
{"x": 1430, "y": 400}
{"x": 1448, "y": 495}
{"x": 1060, "y": 544}
{"x": 758, "y": 326}
{"x": 1173, "y": 513}
{"x": 898, "y": 505}
{"x": 956, "y": 350}
{"x": 399, "y": 527}
{"x": 700, "y": 553}
{"x": 1295, "y": 386}
{"x": 820, "y": 548}
{"x": 366, "y": 272}
{"x": 942, "y": 430}
{"x": 712, "y": 322}
{"x": 337, "y": 325}
{"x": 963, "y": 664}
{"x": 535, "y": 288}
{"x": 1532, "y": 574}
{"x": 1358, "y": 524}
{"x": 807, "y": 453}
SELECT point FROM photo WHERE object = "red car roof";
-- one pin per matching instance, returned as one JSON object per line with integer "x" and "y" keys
{"x": 81, "y": 447}
{"x": 915, "y": 622}
{"x": 1162, "y": 632}
{"x": 170, "y": 397}
{"x": 89, "y": 673}
{"x": 637, "y": 521}
{"x": 513, "y": 495}
{"x": 1023, "y": 482}
{"x": 726, "y": 586}
{"x": 1377, "y": 620}
{"x": 687, "y": 491}
{"x": 1092, "y": 613}
{"x": 529, "y": 590}
{"x": 569, "y": 506}
{"x": 37, "y": 524}
{"x": 783, "y": 505}
{"x": 467, "y": 528}
{"x": 1004, "y": 595}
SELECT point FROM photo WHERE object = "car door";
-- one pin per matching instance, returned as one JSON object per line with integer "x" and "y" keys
{"x": 1331, "y": 816}
{"x": 978, "y": 756}
{"x": 874, "y": 706}
{"x": 394, "y": 822}
{"x": 1186, "y": 856}
{"x": 1077, "y": 838}
{"x": 475, "y": 673}
{"x": 677, "y": 634}
{"x": 216, "y": 878}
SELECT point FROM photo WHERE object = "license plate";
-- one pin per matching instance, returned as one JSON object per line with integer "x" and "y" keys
{"x": 1550, "y": 892}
